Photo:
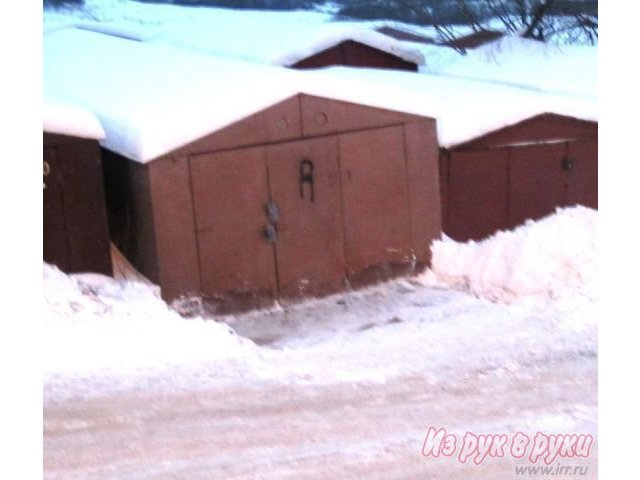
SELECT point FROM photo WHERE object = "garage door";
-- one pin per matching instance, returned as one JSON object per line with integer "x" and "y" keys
{"x": 269, "y": 219}
{"x": 376, "y": 205}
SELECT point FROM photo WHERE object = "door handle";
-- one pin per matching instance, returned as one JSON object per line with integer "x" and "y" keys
{"x": 270, "y": 233}
{"x": 567, "y": 164}
{"x": 273, "y": 214}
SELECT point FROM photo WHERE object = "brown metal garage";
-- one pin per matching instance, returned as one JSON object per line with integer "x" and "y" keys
{"x": 521, "y": 172}
{"x": 307, "y": 197}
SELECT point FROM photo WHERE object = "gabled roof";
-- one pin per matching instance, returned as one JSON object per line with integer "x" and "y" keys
{"x": 464, "y": 109}
{"x": 153, "y": 98}
{"x": 474, "y": 40}
{"x": 404, "y": 35}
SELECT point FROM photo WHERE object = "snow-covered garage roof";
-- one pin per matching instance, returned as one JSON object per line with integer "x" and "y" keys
{"x": 62, "y": 118}
{"x": 464, "y": 109}
{"x": 281, "y": 44}
{"x": 153, "y": 98}
{"x": 275, "y": 38}
{"x": 567, "y": 69}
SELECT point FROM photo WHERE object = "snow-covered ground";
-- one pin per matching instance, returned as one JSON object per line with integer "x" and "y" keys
{"x": 501, "y": 335}
{"x": 515, "y": 298}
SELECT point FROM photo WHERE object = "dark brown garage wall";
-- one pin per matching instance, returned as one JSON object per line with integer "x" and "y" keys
{"x": 75, "y": 236}
{"x": 355, "y": 54}
{"x": 522, "y": 172}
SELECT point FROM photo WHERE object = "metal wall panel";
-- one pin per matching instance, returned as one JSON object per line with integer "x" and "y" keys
{"x": 176, "y": 240}
{"x": 277, "y": 123}
{"x": 583, "y": 185}
{"x": 537, "y": 181}
{"x": 355, "y": 54}
{"x": 322, "y": 117}
{"x": 304, "y": 180}
{"x": 85, "y": 210}
{"x": 230, "y": 191}
{"x": 325, "y": 58}
{"x": 376, "y": 205}
{"x": 421, "y": 146}
{"x": 359, "y": 55}
{"x": 478, "y": 193}
{"x": 55, "y": 246}
{"x": 76, "y": 236}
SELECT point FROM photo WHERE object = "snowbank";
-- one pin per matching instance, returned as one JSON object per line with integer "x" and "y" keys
{"x": 104, "y": 336}
{"x": 553, "y": 257}
{"x": 65, "y": 119}
{"x": 566, "y": 69}
{"x": 96, "y": 327}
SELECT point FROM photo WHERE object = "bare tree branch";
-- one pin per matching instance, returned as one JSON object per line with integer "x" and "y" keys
{"x": 539, "y": 13}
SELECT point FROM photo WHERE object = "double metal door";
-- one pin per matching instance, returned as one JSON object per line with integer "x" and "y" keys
{"x": 269, "y": 219}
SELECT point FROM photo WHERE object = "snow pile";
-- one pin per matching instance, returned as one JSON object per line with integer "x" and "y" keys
{"x": 553, "y": 257}
{"x": 437, "y": 58}
{"x": 567, "y": 69}
{"x": 65, "y": 119}
{"x": 96, "y": 327}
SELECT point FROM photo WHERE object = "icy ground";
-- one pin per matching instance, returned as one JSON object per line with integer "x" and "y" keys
{"x": 341, "y": 387}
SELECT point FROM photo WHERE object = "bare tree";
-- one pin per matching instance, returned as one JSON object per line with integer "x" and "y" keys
{"x": 572, "y": 21}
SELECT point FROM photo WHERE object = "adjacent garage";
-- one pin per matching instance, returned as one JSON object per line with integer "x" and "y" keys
{"x": 499, "y": 180}
{"x": 355, "y": 54}
{"x": 75, "y": 234}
